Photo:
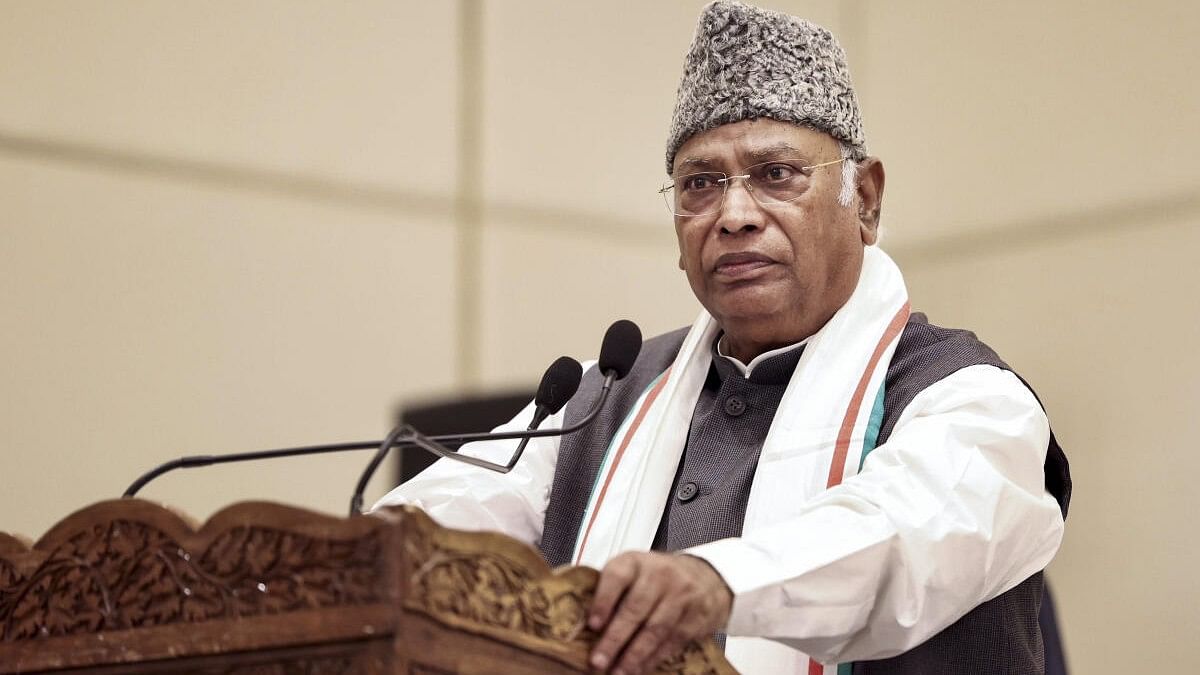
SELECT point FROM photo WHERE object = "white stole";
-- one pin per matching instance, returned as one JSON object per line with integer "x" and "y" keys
{"x": 816, "y": 438}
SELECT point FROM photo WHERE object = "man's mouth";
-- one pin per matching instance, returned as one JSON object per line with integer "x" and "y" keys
{"x": 740, "y": 266}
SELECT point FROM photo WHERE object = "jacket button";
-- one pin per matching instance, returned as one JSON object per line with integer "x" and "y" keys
{"x": 734, "y": 406}
{"x": 687, "y": 492}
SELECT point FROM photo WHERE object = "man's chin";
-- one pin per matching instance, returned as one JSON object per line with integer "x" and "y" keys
{"x": 761, "y": 298}
{"x": 750, "y": 311}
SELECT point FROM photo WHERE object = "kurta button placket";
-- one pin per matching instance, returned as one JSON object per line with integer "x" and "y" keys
{"x": 732, "y": 416}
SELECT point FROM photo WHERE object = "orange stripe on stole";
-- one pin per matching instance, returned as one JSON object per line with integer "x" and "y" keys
{"x": 838, "y": 466}
{"x": 633, "y": 427}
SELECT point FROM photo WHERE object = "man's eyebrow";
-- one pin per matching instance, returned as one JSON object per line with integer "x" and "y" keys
{"x": 781, "y": 149}
{"x": 696, "y": 162}
{"x": 773, "y": 151}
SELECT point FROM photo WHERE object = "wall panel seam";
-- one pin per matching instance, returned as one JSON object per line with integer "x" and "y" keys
{"x": 979, "y": 241}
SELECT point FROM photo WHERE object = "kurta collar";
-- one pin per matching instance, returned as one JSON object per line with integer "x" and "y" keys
{"x": 772, "y": 367}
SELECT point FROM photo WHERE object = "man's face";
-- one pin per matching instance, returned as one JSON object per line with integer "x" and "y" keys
{"x": 773, "y": 275}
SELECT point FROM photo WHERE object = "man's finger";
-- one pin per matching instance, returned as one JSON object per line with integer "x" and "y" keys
{"x": 685, "y": 629}
{"x": 615, "y": 578}
{"x": 637, "y": 604}
{"x": 656, "y": 636}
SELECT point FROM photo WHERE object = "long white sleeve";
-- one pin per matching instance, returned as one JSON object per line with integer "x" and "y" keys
{"x": 950, "y": 512}
{"x": 468, "y": 497}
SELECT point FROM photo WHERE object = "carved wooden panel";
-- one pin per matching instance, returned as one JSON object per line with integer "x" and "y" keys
{"x": 493, "y": 585}
{"x": 143, "y": 568}
{"x": 262, "y": 589}
{"x": 495, "y": 593}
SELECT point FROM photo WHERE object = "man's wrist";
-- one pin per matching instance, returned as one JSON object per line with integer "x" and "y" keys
{"x": 721, "y": 587}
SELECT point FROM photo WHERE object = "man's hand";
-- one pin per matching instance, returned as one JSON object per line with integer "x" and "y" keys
{"x": 650, "y": 605}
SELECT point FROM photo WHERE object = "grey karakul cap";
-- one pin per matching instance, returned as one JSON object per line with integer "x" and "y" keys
{"x": 747, "y": 62}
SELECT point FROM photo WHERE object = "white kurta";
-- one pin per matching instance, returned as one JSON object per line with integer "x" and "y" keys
{"x": 950, "y": 512}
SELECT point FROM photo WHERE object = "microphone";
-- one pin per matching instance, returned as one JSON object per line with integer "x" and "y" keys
{"x": 618, "y": 352}
{"x": 559, "y": 384}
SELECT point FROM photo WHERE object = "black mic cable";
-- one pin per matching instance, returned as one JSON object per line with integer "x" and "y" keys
{"x": 618, "y": 352}
{"x": 621, "y": 345}
{"x": 559, "y": 383}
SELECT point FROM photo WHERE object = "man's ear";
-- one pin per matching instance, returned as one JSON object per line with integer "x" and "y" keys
{"x": 870, "y": 198}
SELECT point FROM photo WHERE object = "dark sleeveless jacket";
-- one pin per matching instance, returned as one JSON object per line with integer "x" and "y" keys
{"x": 1000, "y": 636}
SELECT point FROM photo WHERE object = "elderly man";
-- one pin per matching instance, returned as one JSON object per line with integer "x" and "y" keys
{"x": 811, "y": 469}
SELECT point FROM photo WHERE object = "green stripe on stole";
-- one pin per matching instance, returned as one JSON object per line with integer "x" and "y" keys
{"x": 621, "y": 430}
{"x": 874, "y": 424}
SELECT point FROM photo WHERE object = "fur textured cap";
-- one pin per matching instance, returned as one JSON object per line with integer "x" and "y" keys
{"x": 747, "y": 62}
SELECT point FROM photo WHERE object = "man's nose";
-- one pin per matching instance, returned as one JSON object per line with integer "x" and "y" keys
{"x": 739, "y": 209}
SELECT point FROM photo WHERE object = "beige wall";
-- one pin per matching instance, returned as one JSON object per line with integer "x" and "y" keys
{"x": 229, "y": 226}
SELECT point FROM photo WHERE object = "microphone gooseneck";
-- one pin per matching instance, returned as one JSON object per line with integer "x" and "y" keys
{"x": 193, "y": 461}
{"x": 618, "y": 352}
{"x": 558, "y": 385}
{"x": 356, "y": 500}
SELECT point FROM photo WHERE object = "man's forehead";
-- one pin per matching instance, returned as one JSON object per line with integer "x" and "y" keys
{"x": 760, "y": 139}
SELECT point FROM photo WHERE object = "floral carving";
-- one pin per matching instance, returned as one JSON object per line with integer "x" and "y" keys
{"x": 488, "y": 590}
{"x": 123, "y": 574}
{"x": 691, "y": 661}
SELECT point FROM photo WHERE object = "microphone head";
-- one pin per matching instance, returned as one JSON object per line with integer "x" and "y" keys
{"x": 620, "y": 348}
{"x": 559, "y": 384}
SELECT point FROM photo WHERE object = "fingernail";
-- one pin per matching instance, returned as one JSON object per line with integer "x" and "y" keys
{"x": 599, "y": 661}
{"x": 594, "y": 621}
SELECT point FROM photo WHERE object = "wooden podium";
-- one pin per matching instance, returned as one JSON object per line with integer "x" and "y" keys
{"x": 128, "y": 586}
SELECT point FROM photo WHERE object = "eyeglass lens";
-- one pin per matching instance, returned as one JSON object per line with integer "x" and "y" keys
{"x": 769, "y": 183}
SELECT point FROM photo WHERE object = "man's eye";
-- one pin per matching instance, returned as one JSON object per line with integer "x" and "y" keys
{"x": 699, "y": 182}
{"x": 779, "y": 172}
